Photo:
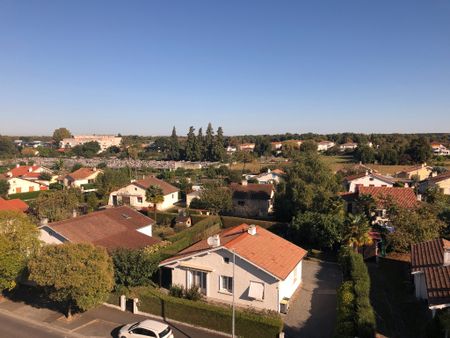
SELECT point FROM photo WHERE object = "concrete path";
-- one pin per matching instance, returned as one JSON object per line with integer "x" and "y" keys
{"x": 312, "y": 313}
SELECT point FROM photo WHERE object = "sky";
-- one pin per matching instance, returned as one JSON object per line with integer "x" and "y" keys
{"x": 250, "y": 66}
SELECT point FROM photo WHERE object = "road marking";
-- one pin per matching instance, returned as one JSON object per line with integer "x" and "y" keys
{"x": 84, "y": 325}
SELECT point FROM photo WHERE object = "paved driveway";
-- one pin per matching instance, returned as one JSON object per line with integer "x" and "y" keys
{"x": 312, "y": 312}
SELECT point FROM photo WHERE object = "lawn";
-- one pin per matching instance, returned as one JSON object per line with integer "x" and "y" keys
{"x": 399, "y": 314}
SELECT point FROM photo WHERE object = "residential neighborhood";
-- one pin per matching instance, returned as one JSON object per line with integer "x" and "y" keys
{"x": 212, "y": 169}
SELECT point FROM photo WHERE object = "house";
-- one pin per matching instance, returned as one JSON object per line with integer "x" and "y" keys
{"x": 384, "y": 198}
{"x": 348, "y": 146}
{"x": 439, "y": 149}
{"x": 18, "y": 185}
{"x": 134, "y": 194}
{"x": 267, "y": 268}
{"x": 325, "y": 145}
{"x": 276, "y": 145}
{"x": 231, "y": 149}
{"x": 13, "y": 205}
{"x": 183, "y": 219}
{"x": 112, "y": 228}
{"x": 247, "y": 147}
{"x": 430, "y": 266}
{"x": 191, "y": 196}
{"x": 270, "y": 177}
{"x": 252, "y": 200}
{"x": 82, "y": 178}
{"x": 367, "y": 179}
{"x": 441, "y": 181}
{"x": 419, "y": 172}
{"x": 105, "y": 141}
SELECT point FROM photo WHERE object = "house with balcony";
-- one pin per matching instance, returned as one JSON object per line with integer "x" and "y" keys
{"x": 262, "y": 269}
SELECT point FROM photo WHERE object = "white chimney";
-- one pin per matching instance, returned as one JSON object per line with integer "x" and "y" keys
{"x": 214, "y": 241}
{"x": 252, "y": 229}
{"x": 30, "y": 169}
{"x": 74, "y": 213}
{"x": 446, "y": 257}
{"x": 244, "y": 182}
{"x": 419, "y": 197}
{"x": 17, "y": 165}
{"x": 44, "y": 222}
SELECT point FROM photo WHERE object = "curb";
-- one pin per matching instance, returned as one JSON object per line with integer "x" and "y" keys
{"x": 47, "y": 327}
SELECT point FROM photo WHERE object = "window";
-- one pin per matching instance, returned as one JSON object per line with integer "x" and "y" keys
{"x": 226, "y": 260}
{"x": 197, "y": 278}
{"x": 144, "y": 332}
{"x": 241, "y": 203}
{"x": 256, "y": 290}
{"x": 139, "y": 199}
{"x": 226, "y": 284}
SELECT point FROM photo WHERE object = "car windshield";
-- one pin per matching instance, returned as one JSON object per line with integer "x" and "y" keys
{"x": 164, "y": 332}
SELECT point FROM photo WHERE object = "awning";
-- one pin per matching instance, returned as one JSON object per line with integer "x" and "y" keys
{"x": 256, "y": 290}
{"x": 195, "y": 266}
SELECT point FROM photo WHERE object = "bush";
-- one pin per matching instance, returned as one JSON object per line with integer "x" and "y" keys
{"x": 193, "y": 293}
{"x": 176, "y": 291}
{"x": 248, "y": 323}
{"x": 25, "y": 196}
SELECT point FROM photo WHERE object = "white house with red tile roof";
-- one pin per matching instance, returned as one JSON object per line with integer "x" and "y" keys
{"x": 325, "y": 145}
{"x": 81, "y": 177}
{"x": 441, "y": 182}
{"x": 440, "y": 149}
{"x": 267, "y": 269}
{"x": 367, "y": 179}
{"x": 252, "y": 200}
{"x": 25, "y": 179}
{"x": 134, "y": 194}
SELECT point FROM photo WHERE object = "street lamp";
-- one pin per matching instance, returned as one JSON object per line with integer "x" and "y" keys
{"x": 233, "y": 316}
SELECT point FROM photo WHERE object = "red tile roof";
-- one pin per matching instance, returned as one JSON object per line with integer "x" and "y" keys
{"x": 428, "y": 254}
{"x": 441, "y": 177}
{"x": 264, "y": 249}
{"x": 82, "y": 173}
{"x": 402, "y": 197}
{"x": 22, "y": 170}
{"x": 252, "y": 191}
{"x": 111, "y": 228}
{"x": 437, "y": 280}
{"x": 13, "y": 205}
{"x": 151, "y": 180}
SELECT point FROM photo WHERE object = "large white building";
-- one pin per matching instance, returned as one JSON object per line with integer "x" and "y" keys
{"x": 267, "y": 269}
{"x": 105, "y": 141}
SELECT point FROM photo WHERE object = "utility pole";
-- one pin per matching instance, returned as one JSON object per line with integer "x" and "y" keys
{"x": 233, "y": 284}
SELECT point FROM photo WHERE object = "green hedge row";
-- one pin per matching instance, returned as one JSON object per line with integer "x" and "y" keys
{"x": 355, "y": 315}
{"x": 248, "y": 323}
{"x": 25, "y": 196}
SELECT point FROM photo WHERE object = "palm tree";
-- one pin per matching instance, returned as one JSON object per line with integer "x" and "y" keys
{"x": 155, "y": 195}
{"x": 356, "y": 232}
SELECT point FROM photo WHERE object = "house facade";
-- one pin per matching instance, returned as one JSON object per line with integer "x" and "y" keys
{"x": 25, "y": 179}
{"x": 82, "y": 178}
{"x": 430, "y": 267}
{"x": 367, "y": 179}
{"x": 439, "y": 149}
{"x": 325, "y": 145}
{"x": 441, "y": 182}
{"x": 419, "y": 172}
{"x": 267, "y": 268}
{"x": 134, "y": 194}
{"x": 252, "y": 200}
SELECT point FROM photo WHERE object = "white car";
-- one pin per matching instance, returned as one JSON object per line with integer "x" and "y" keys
{"x": 145, "y": 329}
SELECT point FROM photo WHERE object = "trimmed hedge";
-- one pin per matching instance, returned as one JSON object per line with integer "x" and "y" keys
{"x": 355, "y": 315}
{"x": 25, "y": 196}
{"x": 248, "y": 323}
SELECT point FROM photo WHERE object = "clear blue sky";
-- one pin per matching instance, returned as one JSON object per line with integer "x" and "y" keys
{"x": 251, "y": 66}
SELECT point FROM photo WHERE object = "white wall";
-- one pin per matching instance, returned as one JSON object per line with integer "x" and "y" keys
{"x": 292, "y": 282}
{"x": 16, "y": 184}
{"x": 244, "y": 273}
{"x": 135, "y": 192}
{"x": 367, "y": 181}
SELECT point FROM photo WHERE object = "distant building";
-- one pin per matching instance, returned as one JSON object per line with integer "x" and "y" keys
{"x": 113, "y": 228}
{"x": 134, "y": 194}
{"x": 420, "y": 172}
{"x": 82, "y": 178}
{"x": 441, "y": 181}
{"x": 367, "y": 179}
{"x": 252, "y": 200}
{"x": 247, "y": 147}
{"x": 439, "y": 149}
{"x": 325, "y": 145}
{"x": 105, "y": 141}
{"x": 348, "y": 146}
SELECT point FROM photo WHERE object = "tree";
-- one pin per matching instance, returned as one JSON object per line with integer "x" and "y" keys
{"x": 174, "y": 150}
{"x": 209, "y": 143}
{"x": 110, "y": 180}
{"x": 192, "y": 146}
{"x": 80, "y": 276}
{"x": 216, "y": 199}
{"x": 60, "y": 134}
{"x": 56, "y": 205}
{"x": 218, "y": 151}
{"x": 45, "y": 176}
{"x": 263, "y": 147}
{"x": 420, "y": 150}
{"x": 88, "y": 149}
{"x": 154, "y": 195}
{"x": 356, "y": 231}
{"x": 365, "y": 154}
{"x": 19, "y": 240}
{"x": 308, "y": 146}
{"x": 7, "y": 147}
{"x": 4, "y": 187}
{"x": 201, "y": 144}
{"x": 413, "y": 226}
{"x": 134, "y": 267}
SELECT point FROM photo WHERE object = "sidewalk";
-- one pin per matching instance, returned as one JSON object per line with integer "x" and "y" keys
{"x": 99, "y": 322}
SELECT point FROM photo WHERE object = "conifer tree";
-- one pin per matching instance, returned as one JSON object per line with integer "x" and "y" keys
{"x": 174, "y": 147}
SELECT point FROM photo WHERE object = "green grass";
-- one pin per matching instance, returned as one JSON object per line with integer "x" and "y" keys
{"x": 399, "y": 314}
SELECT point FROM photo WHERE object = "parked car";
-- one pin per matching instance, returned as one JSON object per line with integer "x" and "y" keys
{"x": 146, "y": 328}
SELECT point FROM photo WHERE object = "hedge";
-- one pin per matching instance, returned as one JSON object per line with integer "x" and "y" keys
{"x": 25, "y": 196}
{"x": 355, "y": 315}
{"x": 248, "y": 323}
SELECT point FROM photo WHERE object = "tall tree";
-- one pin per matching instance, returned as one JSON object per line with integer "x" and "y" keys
{"x": 19, "y": 240}
{"x": 174, "y": 150}
{"x": 56, "y": 205}
{"x": 77, "y": 275}
{"x": 201, "y": 144}
{"x": 60, "y": 134}
{"x": 263, "y": 147}
{"x": 154, "y": 195}
{"x": 209, "y": 142}
{"x": 218, "y": 146}
{"x": 7, "y": 147}
{"x": 356, "y": 231}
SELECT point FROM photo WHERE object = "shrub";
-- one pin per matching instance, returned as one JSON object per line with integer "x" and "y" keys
{"x": 176, "y": 291}
{"x": 193, "y": 293}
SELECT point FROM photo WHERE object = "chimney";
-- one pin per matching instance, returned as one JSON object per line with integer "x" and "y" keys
{"x": 17, "y": 165}
{"x": 94, "y": 169}
{"x": 214, "y": 241}
{"x": 252, "y": 229}
{"x": 419, "y": 197}
{"x": 30, "y": 169}
{"x": 244, "y": 182}
{"x": 446, "y": 257}
{"x": 268, "y": 170}
{"x": 43, "y": 222}
{"x": 74, "y": 213}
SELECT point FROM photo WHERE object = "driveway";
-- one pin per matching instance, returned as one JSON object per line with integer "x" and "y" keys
{"x": 312, "y": 312}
